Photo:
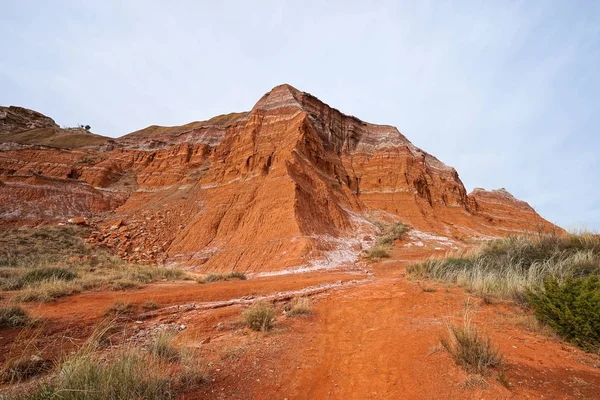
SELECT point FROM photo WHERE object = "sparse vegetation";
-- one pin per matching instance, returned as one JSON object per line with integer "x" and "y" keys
{"x": 233, "y": 353}
{"x": 469, "y": 349}
{"x": 119, "y": 308}
{"x": 162, "y": 346}
{"x": 222, "y": 277}
{"x": 21, "y": 368}
{"x": 260, "y": 316}
{"x": 130, "y": 374}
{"x": 385, "y": 242}
{"x": 508, "y": 267}
{"x": 149, "y": 305}
{"x": 557, "y": 276}
{"x": 13, "y": 317}
{"x": 127, "y": 373}
{"x": 49, "y": 273}
{"x": 378, "y": 252}
{"x": 47, "y": 291}
{"x": 298, "y": 306}
{"x": 52, "y": 262}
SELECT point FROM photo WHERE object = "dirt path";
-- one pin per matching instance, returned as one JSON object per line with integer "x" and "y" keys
{"x": 377, "y": 338}
{"x": 380, "y": 340}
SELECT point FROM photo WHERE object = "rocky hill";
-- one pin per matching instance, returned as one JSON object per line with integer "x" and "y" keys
{"x": 293, "y": 183}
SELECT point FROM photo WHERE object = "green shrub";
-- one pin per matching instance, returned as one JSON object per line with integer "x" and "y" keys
{"x": 571, "y": 308}
{"x": 260, "y": 316}
{"x": 13, "y": 317}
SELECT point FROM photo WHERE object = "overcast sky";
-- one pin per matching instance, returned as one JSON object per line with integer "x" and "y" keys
{"x": 508, "y": 93}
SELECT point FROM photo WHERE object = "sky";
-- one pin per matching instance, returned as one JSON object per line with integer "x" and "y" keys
{"x": 507, "y": 92}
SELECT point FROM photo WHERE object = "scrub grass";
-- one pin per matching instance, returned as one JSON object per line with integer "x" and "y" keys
{"x": 472, "y": 351}
{"x": 508, "y": 268}
{"x": 48, "y": 263}
{"x": 260, "y": 316}
{"x": 13, "y": 317}
{"x": 298, "y": 306}
{"x": 129, "y": 372}
{"x": 222, "y": 277}
{"x": 384, "y": 243}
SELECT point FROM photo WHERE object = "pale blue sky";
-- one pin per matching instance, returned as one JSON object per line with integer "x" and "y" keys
{"x": 506, "y": 92}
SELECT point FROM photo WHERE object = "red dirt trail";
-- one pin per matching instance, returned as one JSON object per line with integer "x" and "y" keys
{"x": 374, "y": 335}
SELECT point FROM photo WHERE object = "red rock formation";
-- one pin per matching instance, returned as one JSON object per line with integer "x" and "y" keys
{"x": 292, "y": 183}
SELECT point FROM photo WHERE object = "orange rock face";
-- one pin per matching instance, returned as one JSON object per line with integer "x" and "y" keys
{"x": 291, "y": 184}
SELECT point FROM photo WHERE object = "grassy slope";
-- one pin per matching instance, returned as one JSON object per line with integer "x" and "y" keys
{"x": 55, "y": 137}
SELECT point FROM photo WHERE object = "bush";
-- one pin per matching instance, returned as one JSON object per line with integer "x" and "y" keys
{"x": 260, "y": 316}
{"x": 13, "y": 317}
{"x": 571, "y": 308}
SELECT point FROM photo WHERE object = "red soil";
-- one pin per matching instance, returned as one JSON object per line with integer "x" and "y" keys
{"x": 377, "y": 338}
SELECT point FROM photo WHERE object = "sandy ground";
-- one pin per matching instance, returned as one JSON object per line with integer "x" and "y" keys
{"x": 373, "y": 334}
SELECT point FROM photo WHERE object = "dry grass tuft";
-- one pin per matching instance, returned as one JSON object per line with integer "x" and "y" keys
{"x": 121, "y": 308}
{"x": 162, "y": 346}
{"x": 385, "y": 242}
{"x": 298, "y": 306}
{"x": 260, "y": 316}
{"x": 24, "y": 367}
{"x": 149, "y": 305}
{"x": 475, "y": 382}
{"x": 469, "y": 349}
{"x": 222, "y": 277}
{"x": 13, "y": 317}
{"x": 532, "y": 324}
{"x": 233, "y": 353}
{"x": 47, "y": 291}
{"x": 130, "y": 372}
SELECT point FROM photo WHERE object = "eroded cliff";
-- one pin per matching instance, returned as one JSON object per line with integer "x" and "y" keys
{"x": 293, "y": 183}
